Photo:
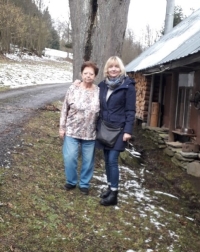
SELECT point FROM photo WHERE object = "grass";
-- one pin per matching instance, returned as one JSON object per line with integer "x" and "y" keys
{"x": 4, "y": 88}
{"x": 37, "y": 214}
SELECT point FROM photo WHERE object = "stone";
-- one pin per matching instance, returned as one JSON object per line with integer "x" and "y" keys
{"x": 128, "y": 159}
{"x": 161, "y": 146}
{"x": 175, "y": 144}
{"x": 181, "y": 158}
{"x": 189, "y": 154}
{"x": 179, "y": 163}
{"x": 176, "y": 162}
{"x": 144, "y": 125}
{"x": 157, "y": 129}
{"x": 194, "y": 168}
{"x": 184, "y": 165}
{"x": 164, "y": 136}
{"x": 168, "y": 152}
{"x": 175, "y": 150}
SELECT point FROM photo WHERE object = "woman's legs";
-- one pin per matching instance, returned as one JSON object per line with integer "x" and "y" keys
{"x": 111, "y": 167}
{"x": 87, "y": 167}
{"x": 70, "y": 156}
{"x": 106, "y": 160}
{"x": 112, "y": 170}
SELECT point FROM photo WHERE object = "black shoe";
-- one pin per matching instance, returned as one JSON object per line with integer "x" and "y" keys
{"x": 105, "y": 194}
{"x": 111, "y": 200}
{"x": 84, "y": 190}
{"x": 69, "y": 187}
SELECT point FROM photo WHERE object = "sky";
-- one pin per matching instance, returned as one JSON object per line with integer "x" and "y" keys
{"x": 141, "y": 12}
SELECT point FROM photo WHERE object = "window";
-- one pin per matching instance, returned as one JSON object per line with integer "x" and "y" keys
{"x": 185, "y": 85}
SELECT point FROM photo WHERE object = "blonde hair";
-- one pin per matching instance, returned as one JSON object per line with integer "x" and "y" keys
{"x": 112, "y": 60}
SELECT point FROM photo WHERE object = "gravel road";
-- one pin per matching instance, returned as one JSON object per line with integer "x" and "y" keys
{"x": 17, "y": 106}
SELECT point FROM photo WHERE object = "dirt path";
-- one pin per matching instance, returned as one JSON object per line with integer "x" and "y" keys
{"x": 17, "y": 106}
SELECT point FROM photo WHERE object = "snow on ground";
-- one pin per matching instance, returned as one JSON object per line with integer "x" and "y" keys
{"x": 56, "y": 53}
{"x": 24, "y": 70}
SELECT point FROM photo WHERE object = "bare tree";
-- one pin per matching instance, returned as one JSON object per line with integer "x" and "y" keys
{"x": 24, "y": 25}
{"x": 150, "y": 37}
{"x": 131, "y": 48}
{"x": 98, "y": 30}
{"x": 64, "y": 31}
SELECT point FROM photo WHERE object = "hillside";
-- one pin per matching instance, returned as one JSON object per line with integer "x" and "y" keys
{"x": 25, "y": 70}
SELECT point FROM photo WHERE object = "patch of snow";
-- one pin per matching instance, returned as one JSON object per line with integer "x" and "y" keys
{"x": 167, "y": 194}
{"x": 52, "y": 53}
{"x": 191, "y": 219}
{"x": 26, "y": 70}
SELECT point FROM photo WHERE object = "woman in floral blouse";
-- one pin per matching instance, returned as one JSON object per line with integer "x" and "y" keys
{"x": 78, "y": 128}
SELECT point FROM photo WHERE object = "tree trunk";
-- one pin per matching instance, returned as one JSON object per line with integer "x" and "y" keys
{"x": 98, "y": 29}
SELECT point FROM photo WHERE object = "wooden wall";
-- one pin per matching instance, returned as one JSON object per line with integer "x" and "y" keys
{"x": 195, "y": 114}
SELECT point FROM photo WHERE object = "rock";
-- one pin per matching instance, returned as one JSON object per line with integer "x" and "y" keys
{"x": 194, "y": 168}
{"x": 126, "y": 158}
{"x": 157, "y": 129}
{"x": 160, "y": 141}
{"x": 189, "y": 154}
{"x": 161, "y": 146}
{"x": 144, "y": 125}
{"x": 181, "y": 158}
{"x": 176, "y": 162}
{"x": 179, "y": 163}
{"x": 164, "y": 136}
{"x": 175, "y": 150}
{"x": 168, "y": 152}
{"x": 175, "y": 144}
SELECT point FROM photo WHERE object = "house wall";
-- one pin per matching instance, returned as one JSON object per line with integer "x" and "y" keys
{"x": 142, "y": 87}
{"x": 142, "y": 101}
{"x": 166, "y": 101}
{"x": 195, "y": 114}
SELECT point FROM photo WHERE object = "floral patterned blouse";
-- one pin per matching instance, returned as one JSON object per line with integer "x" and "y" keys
{"x": 79, "y": 112}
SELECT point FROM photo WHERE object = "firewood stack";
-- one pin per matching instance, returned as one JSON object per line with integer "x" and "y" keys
{"x": 142, "y": 87}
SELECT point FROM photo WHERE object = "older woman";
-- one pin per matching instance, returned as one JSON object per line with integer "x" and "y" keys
{"x": 78, "y": 128}
{"x": 117, "y": 107}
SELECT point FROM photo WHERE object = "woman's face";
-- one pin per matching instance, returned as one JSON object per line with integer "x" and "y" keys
{"x": 88, "y": 75}
{"x": 114, "y": 70}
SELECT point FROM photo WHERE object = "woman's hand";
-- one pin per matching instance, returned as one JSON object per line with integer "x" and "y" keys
{"x": 77, "y": 82}
{"x": 126, "y": 137}
{"x": 61, "y": 133}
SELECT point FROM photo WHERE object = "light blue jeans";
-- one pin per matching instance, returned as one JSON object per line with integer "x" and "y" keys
{"x": 112, "y": 168}
{"x": 70, "y": 155}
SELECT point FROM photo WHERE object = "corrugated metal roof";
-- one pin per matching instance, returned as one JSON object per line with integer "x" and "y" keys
{"x": 182, "y": 41}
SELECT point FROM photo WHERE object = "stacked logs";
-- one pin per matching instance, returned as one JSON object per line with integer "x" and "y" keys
{"x": 142, "y": 87}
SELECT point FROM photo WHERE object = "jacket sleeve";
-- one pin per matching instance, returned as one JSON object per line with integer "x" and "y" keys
{"x": 64, "y": 112}
{"x": 130, "y": 108}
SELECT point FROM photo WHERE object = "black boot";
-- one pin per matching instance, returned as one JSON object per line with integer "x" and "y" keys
{"x": 111, "y": 200}
{"x": 106, "y": 193}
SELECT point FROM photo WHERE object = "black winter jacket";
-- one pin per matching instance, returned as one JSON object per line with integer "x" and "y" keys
{"x": 119, "y": 109}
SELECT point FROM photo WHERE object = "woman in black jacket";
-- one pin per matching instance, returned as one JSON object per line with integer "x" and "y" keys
{"x": 117, "y": 107}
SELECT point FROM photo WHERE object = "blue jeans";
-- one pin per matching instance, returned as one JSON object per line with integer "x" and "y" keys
{"x": 111, "y": 166}
{"x": 70, "y": 155}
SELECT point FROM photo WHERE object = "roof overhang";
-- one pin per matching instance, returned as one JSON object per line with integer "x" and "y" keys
{"x": 186, "y": 64}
